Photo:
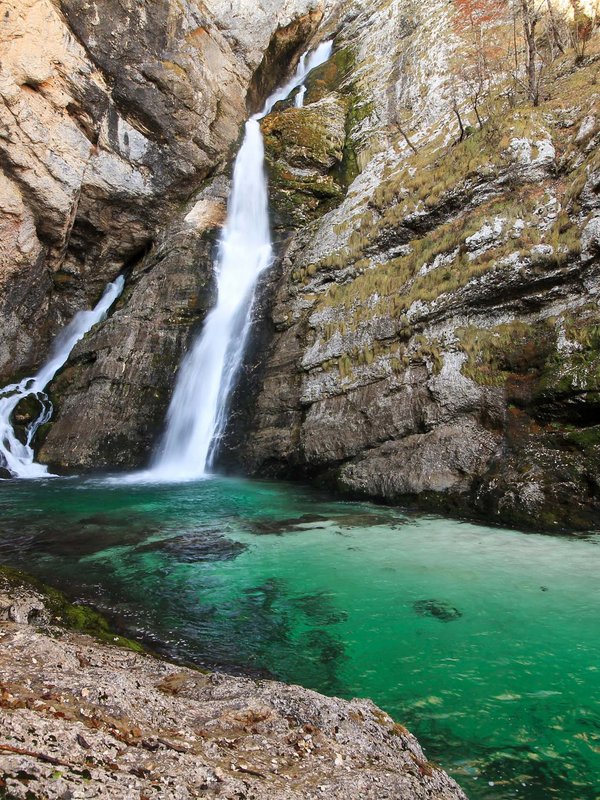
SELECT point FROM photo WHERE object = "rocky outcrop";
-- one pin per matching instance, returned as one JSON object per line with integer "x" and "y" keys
{"x": 80, "y": 717}
{"x": 97, "y": 108}
{"x": 111, "y": 397}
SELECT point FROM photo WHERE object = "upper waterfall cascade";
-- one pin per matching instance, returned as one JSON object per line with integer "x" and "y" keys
{"x": 198, "y": 411}
{"x": 17, "y": 457}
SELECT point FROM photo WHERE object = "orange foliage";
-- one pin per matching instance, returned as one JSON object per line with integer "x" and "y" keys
{"x": 479, "y": 13}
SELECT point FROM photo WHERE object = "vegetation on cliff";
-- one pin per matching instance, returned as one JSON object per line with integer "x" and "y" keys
{"x": 457, "y": 265}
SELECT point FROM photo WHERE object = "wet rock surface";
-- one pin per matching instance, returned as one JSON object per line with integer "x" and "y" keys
{"x": 84, "y": 719}
{"x": 437, "y": 609}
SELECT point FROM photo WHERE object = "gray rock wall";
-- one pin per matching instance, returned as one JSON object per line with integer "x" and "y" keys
{"x": 434, "y": 333}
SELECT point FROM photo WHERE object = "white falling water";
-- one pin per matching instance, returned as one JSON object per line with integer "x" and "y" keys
{"x": 320, "y": 56}
{"x": 18, "y": 457}
{"x": 198, "y": 409}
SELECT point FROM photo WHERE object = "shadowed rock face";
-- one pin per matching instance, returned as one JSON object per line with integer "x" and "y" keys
{"x": 435, "y": 327}
{"x": 281, "y": 56}
{"x": 113, "y": 116}
{"x": 110, "y": 399}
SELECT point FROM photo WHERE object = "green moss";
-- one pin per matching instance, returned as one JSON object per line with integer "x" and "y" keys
{"x": 349, "y": 168}
{"x": 304, "y": 147}
{"x": 305, "y": 129}
{"x": 331, "y": 76}
{"x": 80, "y": 618}
{"x": 584, "y": 438}
{"x": 303, "y": 140}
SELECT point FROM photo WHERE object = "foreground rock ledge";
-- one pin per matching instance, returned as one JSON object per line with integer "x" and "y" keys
{"x": 83, "y": 719}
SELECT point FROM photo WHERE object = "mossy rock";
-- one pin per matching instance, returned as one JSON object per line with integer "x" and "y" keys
{"x": 27, "y": 411}
{"x": 495, "y": 355}
{"x": 63, "y": 613}
{"x": 331, "y": 75}
{"x": 309, "y": 137}
{"x": 303, "y": 148}
{"x": 576, "y": 369}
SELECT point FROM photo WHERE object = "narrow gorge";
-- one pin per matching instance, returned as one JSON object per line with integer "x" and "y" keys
{"x": 300, "y": 378}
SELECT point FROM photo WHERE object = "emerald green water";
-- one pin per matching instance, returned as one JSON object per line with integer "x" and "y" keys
{"x": 484, "y": 642}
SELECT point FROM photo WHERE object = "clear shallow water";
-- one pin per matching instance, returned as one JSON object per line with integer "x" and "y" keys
{"x": 484, "y": 642}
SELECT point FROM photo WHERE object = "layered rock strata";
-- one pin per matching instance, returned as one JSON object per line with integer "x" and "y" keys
{"x": 435, "y": 332}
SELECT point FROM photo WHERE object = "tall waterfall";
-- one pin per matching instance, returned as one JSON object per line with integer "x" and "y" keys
{"x": 198, "y": 410}
{"x": 15, "y": 456}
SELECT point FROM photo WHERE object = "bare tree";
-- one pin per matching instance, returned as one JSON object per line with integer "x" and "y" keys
{"x": 479, "y": 24}
{"x": 554, "y": 28}
{"x": 584, "y": 23}
{"x": 530, "y": 16}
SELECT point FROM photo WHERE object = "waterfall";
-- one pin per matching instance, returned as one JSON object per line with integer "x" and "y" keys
{"x": 198, "y": 410}
{"x": 320, "y": 56}
{"x": 16, "y": 456}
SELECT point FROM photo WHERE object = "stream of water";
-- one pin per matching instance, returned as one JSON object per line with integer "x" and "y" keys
{"x": 198, "y": 410}
{"x": 17, "y": 456}
{"x": 483, "y": 641}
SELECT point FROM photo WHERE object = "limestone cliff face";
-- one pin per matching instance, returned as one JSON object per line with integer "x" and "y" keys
{"x": 110, "y": 116}
{"x": 430, "y": 329}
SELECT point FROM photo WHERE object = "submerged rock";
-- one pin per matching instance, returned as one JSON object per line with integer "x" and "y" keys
{"x": 319, "y": 608}
{"x": 79, "y": 717}
{"x": 192, "y": 547}
{"x": 437, "y": 609}
{"x": 277, "y": 527}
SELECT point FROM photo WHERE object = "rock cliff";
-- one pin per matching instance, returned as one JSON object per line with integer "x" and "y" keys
{"x": 429, "y": 332}
{"x": 78, "y": 716}
{"x": 435, "y": 332}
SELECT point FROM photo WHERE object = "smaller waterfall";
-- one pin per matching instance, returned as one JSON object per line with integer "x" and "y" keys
{"x": 197, "y": 413}
{"x": 16, "y": 456}
{"x": 320, "y": 56}
{"x": 308, "y": 62}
